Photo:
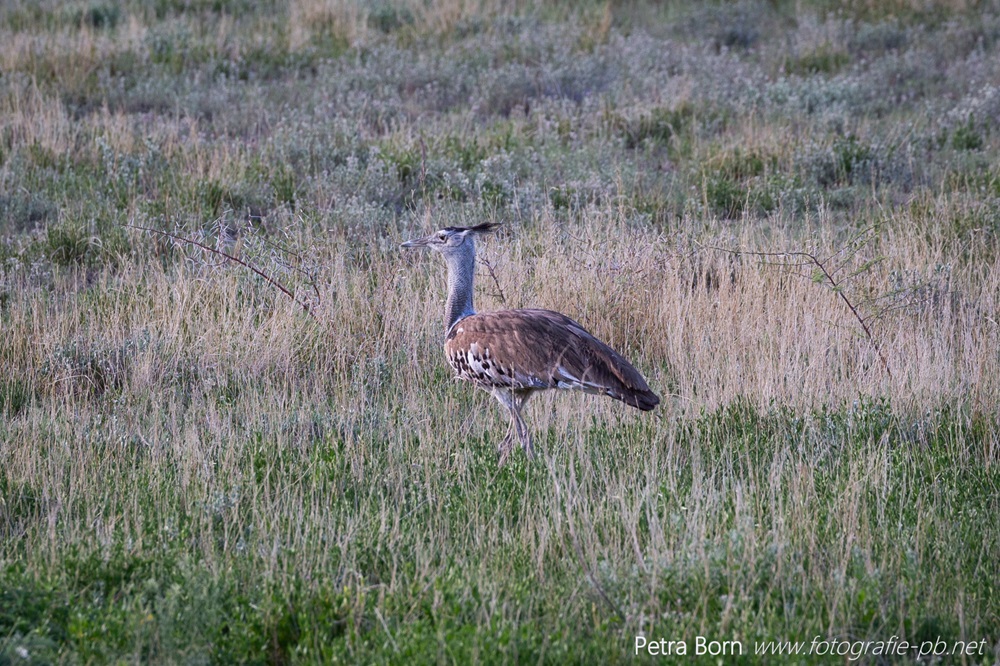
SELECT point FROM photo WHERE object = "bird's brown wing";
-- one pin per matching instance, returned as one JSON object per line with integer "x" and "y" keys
{"x": 536, "y": 349}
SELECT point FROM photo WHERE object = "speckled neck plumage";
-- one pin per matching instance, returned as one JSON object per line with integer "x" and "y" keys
{"x": 461, "y": 270}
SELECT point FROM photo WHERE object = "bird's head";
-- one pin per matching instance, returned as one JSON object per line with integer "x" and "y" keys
{"x": 451, "y": 239}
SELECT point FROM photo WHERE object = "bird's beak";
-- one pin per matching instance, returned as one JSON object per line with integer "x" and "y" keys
{"x": 417, "y": 242}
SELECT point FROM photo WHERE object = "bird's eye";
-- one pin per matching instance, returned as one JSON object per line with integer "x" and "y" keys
{"x": 442, "y": 236}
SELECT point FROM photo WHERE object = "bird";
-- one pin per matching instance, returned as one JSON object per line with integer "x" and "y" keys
{"x": 513, "y": 354}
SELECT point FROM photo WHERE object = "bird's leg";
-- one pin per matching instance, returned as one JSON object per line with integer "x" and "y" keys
{"x": 507, "y": 399}
{"x": 518, "y": 429}
{"x": 508, "y": 443}
{"x": 523, "y": 434}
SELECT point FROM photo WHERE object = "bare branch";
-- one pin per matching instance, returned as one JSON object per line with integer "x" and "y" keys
{"x": 489, "y": 267}
{"x": 823, "y": 275}
{"x": 304, "y": 305}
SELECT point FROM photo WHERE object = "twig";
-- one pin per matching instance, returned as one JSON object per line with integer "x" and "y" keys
{"x": 828, "y": 277}
{"x": 309, "y": 273}
{"x": 304, "y": 305}
{"x": 489, "y": 268}
{"x": 423, "y": 165}
{"x": 395, "y": 647}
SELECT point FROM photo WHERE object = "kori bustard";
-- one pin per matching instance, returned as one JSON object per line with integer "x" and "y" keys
{"x": 514, "y": 353}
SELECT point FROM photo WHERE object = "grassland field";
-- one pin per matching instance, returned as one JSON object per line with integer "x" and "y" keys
{"x": 785, "y": 213}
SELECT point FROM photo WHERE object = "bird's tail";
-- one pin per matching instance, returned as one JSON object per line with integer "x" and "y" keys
{"x": 644, "y": 400}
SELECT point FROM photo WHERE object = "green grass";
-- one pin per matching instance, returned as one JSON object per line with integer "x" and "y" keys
{"x": 155, "y": 590}
{"x": 193, "y": 470}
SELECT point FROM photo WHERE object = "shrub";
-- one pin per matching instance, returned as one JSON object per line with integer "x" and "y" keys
{"x": 823, "y": 60}
{"x": 661, "y": 126}
{"x": 967, "y": 136}
{"x": 15, "y": 395}
{"x": 69, "y": 244}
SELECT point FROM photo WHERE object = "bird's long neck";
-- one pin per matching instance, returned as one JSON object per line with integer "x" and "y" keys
{"x": 461, "y": 269}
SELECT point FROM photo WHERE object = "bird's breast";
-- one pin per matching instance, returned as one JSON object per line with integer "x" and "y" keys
{"x": 477, "y": 364}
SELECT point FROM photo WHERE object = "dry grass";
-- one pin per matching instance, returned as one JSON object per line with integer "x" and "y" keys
{"x": 192, "y": 376}
{"x": 192, "y": 469}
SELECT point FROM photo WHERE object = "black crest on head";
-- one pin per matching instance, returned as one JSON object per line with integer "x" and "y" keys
{"x": 484, "y": 228}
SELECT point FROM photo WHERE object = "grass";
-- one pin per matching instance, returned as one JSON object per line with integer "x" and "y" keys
{"x": 194, "y": 470}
